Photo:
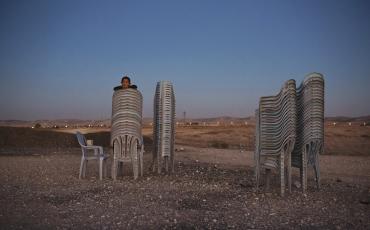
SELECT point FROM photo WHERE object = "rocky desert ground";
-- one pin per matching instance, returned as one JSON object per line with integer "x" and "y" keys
{"x": 212, "y": 187}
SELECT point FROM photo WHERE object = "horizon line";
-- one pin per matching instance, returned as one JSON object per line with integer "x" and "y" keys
{"x": 189, "y": 118}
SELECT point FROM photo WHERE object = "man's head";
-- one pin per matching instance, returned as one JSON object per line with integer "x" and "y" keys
{"x": 126, "y": 82}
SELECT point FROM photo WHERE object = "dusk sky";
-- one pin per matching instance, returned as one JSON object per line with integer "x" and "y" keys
{"x": 61, "y": 59}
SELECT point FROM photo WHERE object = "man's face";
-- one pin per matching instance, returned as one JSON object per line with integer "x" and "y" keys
{"x": 125, "y": 83}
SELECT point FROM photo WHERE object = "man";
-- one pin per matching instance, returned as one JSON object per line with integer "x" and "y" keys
{"x": 125, "y": 84}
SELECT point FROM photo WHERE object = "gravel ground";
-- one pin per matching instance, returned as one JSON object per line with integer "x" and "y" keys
{"x": 211, "y": 189}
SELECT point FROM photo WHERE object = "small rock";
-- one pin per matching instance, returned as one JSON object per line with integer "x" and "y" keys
{"x": 297, "y": 184}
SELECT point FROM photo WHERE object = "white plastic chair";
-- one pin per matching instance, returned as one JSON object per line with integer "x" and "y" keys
{"x": 98, "y": 154}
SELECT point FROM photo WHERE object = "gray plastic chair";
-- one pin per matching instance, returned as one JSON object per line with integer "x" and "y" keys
{"x": 126, "y": 135}
{"x": 164, "y": 127}
{"x": 91, "y": 152}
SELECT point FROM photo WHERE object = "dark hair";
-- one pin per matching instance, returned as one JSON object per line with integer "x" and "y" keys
{"x": 126, "y": 77}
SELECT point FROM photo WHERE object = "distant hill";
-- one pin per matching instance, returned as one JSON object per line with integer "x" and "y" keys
{"x": 348, "y": 119}
{"x": 223, "y": 119}
{"x": 147, "y": 120}
{"x": 56, "y": 123}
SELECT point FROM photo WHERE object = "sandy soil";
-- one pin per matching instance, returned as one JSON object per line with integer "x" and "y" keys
{"x": 211, "y": 188}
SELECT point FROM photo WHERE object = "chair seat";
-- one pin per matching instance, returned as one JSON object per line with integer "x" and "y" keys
{"x": 97, "y": 157}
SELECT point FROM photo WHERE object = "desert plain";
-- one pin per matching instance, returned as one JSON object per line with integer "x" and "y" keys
{"x": 213, "y": 185}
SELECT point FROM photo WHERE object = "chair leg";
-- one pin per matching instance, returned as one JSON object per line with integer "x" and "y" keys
{"x": 317, "y": 170}
{"x": 282, "y": 176}
{"x": 301, "y": 174}
{"x": 159, "y": 164}
{"x": 114, "y": 170}
{"x": 105, "y": 168}
{"x": 154, "y": 160}
{"x": 257, "y": 176}
{"x": 257, "y": 173}
{"x": 135, "y": 167}
{"x": 141, "y": 164}
{"x": 304, "y": 172}
{"x": 268, "y": 179}
{"x": 289, "y": 173}
{"x": 173, "y": 163}
{"x": 153, "y": 166}
{"x": 166, "y": 163}
{"x": 101, "y": 160}
{"x": 82, "y": 168}
{"x": 119, "y": 168}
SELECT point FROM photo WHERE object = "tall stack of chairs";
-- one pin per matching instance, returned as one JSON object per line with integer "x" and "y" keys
{"x": 126, "y": 135}
{"x": 290, "y": 130}
{"x": 310, "y": 127}
{"x": 164, "y": 127}
{"x": 276, "y": 133}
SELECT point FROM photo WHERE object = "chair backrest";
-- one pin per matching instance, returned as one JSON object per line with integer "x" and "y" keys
{"x": 164, "y": 119}
{"x": 81, "y": 139}
{"x": 127, "y": 146}
{"x": 277, "y": 121}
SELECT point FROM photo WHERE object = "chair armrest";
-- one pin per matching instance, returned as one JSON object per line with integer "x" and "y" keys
{"x": 98, "y": 150}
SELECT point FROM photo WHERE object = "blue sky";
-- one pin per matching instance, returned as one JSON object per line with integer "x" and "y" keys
{"x": 61, "y": 59}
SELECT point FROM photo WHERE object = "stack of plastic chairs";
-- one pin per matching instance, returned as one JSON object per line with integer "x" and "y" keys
{"x": 126, "y": 136}
{"x": 275, "y": 133}
{"x": 310, "y": 127}
{"x": 164, "y": 126}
